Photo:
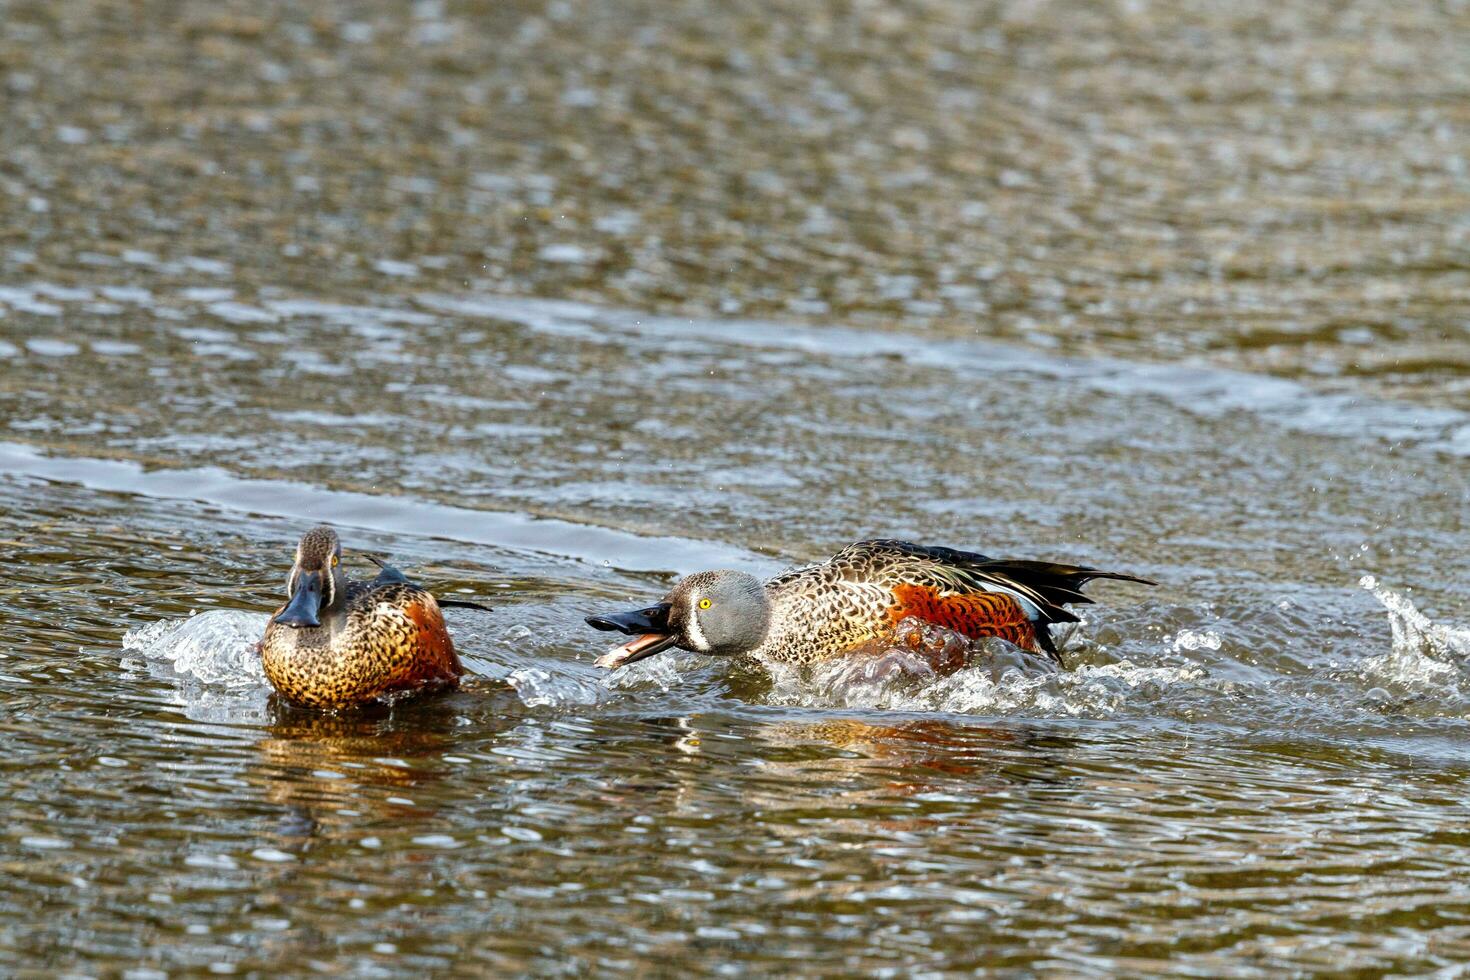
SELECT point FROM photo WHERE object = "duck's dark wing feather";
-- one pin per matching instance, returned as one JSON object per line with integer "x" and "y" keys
{"x": 388, "y": 574}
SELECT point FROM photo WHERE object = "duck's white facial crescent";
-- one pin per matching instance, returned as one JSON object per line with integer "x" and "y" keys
{"x": 695, "y": 633}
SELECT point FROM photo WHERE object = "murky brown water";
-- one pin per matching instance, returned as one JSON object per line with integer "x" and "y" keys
{"x": 551, "y": 302}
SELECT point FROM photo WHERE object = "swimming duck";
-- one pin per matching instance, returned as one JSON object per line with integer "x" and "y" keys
{"x": 857, "y": 596}
{"x": 338, "y": 643}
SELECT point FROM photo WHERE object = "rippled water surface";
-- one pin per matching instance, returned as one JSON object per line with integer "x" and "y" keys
{"x": 551, "y": 303}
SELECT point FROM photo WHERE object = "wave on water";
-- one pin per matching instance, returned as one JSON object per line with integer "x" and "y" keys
{"x": 1195, "y": 388}
{"x": 394, "y": 514}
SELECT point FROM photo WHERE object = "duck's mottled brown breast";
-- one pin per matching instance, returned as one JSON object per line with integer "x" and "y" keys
{"x": 389, "y": 637}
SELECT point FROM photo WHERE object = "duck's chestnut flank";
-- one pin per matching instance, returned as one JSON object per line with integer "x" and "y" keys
{"x": 975, "y": 614}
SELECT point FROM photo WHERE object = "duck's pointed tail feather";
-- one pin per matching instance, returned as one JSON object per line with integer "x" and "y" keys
{"x": 1048, "y": 578}
{"x": 462, "y": 604}
{"x": 1050, "y": 586}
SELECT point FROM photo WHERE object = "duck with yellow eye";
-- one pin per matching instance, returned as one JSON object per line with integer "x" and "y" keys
{"x": 856, "y": 597}
{"x": 338, "y": 643}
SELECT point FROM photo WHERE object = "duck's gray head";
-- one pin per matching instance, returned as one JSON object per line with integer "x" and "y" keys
{"x": 316, "y": 581}
{"x": 719, "y": 613}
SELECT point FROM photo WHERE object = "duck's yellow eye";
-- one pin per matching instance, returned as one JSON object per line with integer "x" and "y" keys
{"x": 705, "y": 603}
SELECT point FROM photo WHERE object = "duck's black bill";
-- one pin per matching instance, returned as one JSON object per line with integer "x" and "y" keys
{"x": 649, "y": 627}
{"x": 654, "y": 619}
{"x": 305, "y": 602}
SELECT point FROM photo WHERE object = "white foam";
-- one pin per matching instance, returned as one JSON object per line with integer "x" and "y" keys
{"x": 1196, "y": 640}
{"x": 997, "y": 679}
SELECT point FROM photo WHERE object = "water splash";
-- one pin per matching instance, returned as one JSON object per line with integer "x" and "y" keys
{"x": 215, "y": 648}
{"x": 540, "y": 688}
{"x": 1415, "y": 632}
{"x": 549, "y": 683}
{"x": 1423, "y": 673}
{"x": 929, "y": 668}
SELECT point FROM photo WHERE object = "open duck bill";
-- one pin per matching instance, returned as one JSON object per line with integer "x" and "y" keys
{"x": 648, "y": 627}
{"x": 305, "y": 604}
